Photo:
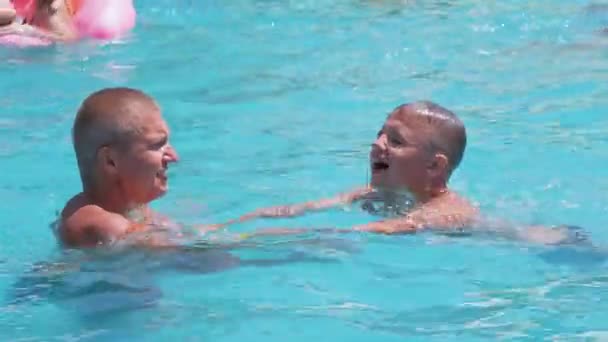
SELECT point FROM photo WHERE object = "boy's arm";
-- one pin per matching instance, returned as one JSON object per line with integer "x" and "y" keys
{"x": 426, "y": 217}
{"x": 450, "y": 224}
{"x": 394, "y": 226}
{"x": 297, "y": 209}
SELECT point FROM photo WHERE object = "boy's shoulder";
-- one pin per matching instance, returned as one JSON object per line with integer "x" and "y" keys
{"x": 447, "y": 211}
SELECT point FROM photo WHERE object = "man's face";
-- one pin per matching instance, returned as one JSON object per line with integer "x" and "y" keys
{"x": 143, "y": 160}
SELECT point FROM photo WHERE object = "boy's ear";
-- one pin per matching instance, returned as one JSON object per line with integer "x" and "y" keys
{"x": 439, "y": 164}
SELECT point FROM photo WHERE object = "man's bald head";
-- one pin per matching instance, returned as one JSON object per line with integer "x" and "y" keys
{"x": 108, "y": 117}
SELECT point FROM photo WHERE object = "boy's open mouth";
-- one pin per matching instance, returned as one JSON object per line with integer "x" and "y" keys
{"x": 379, "y": 166}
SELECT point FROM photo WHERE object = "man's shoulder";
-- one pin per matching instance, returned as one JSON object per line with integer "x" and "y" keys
{"x": 85, "y": 223}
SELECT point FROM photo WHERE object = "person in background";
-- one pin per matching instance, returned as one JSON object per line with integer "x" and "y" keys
{"x": 50, "y": 20}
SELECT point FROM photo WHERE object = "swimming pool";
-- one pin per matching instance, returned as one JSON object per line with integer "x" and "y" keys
{"x": 278, "y": 101}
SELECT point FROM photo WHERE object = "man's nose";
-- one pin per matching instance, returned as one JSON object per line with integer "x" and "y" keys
{"x": 171, "y": 154}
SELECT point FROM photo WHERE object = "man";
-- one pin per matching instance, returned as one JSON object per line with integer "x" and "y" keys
{"x": 123, "y": 152}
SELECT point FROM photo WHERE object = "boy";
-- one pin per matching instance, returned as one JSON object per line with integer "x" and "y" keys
{"x": 412, "y": 159}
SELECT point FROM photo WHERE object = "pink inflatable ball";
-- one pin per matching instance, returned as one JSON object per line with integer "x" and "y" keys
{"x": 105, "y": 19}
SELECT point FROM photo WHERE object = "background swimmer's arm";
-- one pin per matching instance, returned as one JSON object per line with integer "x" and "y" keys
{"x": 32, "y": 31}
{"x": 7, "y": 16}
{"x": 29, "y": 31}
{"x": 6, "y": 30}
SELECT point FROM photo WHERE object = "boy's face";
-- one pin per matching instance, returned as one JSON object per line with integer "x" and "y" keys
{"x": 400, "y": 156}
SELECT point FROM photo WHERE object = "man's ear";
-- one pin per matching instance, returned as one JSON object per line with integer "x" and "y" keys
{"x": 106, "y": 160}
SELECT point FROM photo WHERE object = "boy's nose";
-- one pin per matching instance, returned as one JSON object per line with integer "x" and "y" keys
{"x": 380, "y": 142}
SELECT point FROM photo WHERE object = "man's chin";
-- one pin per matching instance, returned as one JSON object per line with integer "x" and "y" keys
{"x": 158, "y": 193}
{"x": 162, "y": 192}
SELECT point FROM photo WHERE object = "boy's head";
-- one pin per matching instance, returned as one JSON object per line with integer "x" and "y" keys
{"x": 122, "y": 145}
{"x": 417, "y": 149}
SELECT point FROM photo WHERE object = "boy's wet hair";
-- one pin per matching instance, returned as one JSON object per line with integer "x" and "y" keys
{"x": 446, "y": 133}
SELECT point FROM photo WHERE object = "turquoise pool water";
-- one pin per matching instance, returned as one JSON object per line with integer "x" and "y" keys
{"x": 278, "y": 101}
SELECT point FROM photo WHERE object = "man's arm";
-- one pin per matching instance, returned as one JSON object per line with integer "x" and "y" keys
{"x": 91, "y": 226}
